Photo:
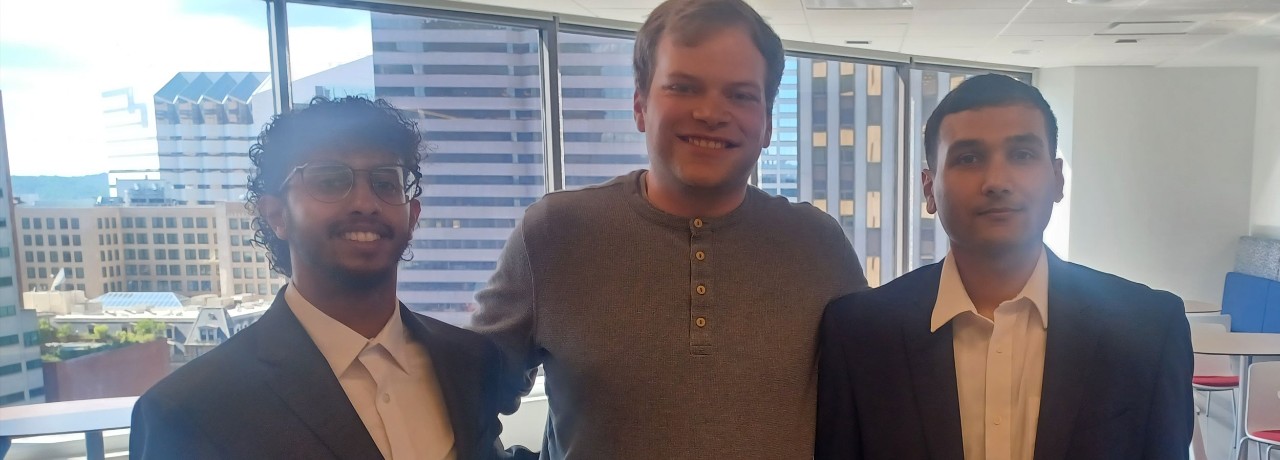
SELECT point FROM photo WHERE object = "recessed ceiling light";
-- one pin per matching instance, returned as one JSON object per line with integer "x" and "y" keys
{"x": 1088, "y": 2}
{"x": 1127, "y": 40}
{"x": 857, "y": 42}
{"x": 1025, "y": 52}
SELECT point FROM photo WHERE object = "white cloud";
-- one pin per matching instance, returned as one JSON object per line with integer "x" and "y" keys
{"x": 53, "y": 98}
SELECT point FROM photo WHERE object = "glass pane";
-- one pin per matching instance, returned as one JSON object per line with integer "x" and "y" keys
{"x": 846, "y": 144}
{"x": 475, "y": 91}
{"x": 600, "y": 136}
{"x": 927, "y": 242}
{"x": 155, "y": 110}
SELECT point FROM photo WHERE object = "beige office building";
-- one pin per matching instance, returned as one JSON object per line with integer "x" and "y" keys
{"x": 189, "y": 250}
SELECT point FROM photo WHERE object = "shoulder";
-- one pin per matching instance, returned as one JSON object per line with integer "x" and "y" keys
{"x": 1117, "y": 293}
{"x": 578, "y": 203}
{"x": 207, "y": 381}
{"x": 781, "y": 208}
{"x": 887, "y": 303}
{"x": 459, "y": 341}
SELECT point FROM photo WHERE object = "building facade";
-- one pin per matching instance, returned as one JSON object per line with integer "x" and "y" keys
{"x": 189, "y": 250}
{"x": 21, "y": 375}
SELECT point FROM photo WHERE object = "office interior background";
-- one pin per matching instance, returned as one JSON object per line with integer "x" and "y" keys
{"x": 1169, "y": 114}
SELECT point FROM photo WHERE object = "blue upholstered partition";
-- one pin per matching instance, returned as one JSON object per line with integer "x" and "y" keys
{"x": 1271, "y": 312}
{"x": 1252, "y": 290}
{"x": 1244, "y": 297}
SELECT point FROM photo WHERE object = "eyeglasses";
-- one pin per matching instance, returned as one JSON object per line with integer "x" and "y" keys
{"x": 332, "y": 182}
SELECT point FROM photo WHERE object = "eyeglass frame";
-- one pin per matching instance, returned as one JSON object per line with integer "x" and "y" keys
{"x": 414, "y": 176}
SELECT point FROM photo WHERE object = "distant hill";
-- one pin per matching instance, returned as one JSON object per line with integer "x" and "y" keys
{"x": 60, "y": 187}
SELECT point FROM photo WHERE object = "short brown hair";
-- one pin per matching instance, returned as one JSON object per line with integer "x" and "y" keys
{"x": 692, "y": 21}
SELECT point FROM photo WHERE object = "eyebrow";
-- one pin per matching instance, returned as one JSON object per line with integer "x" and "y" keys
{"x": 677, "y": 75}
{"x": 1025, "y": 139}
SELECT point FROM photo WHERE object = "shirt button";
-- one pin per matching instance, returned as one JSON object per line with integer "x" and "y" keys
{"x": 701, "y": 289}
{"x": 998, "y": 420}
{"x": 697, "y": 223}
{"x": 386, "y": 398}
{"x": 701, "y": 322}
{"x": 999, "y": 351}
{"x": 700, "y": 255}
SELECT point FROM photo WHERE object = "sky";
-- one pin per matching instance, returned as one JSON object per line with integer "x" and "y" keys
{"x": 55, "y": 66}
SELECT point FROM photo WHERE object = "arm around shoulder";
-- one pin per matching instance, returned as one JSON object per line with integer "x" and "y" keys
{"x": 507, "y": 315}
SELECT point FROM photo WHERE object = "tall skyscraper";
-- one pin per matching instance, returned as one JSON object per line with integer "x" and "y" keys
{"x": 204, "y": 127}
{"x": 476, "y": 92}
{"x": 21, "y": 377}
{"x": 130, "y": 134}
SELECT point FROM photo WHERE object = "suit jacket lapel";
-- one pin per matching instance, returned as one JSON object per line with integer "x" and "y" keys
{"x": 931, "y": 361}
{"x": 302, "y": 378}
{"x": 1070, "y": 345}
{"x": 453, "y": 367}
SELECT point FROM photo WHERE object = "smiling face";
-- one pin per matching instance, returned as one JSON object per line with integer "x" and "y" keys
{"x": 705, "y": 116}
{"x": 995, "y": 180}
{"x": 356, "y": 240}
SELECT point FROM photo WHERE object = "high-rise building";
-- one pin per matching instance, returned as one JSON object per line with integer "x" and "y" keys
{"x": 476, "y": 92}
{"x": 205, "y": 123}
{"x": 130, "y": 134}
{"x": 21, "y": 377}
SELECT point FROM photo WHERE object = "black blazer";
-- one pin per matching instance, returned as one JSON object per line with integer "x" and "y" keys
{"x": 268, "y": 392}
{"x": 1117, "y": 373}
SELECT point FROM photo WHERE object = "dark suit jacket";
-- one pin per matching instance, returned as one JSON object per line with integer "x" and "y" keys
{"x": 1117, "y": 373}
{"x": 269, "y": 393}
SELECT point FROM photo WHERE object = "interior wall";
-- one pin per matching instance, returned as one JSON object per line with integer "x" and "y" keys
{"x": 1265, "y": 218}
{"x": 1161, "y": 161}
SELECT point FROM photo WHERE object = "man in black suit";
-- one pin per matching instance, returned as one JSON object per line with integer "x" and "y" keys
{"x": 337, "y": 368}
{"x": 1002, "y": 351}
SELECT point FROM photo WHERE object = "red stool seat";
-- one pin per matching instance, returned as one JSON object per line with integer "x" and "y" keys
{"x": 1270, "y": 435}
{"x": 1223, "y": 381}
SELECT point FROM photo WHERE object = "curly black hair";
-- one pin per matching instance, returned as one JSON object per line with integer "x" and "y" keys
{"x": 346, "y": 124}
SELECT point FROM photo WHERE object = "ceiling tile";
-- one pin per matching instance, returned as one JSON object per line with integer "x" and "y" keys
{"x": 967, "y": 4}
{"x": 944, "y": 31}
{"x": 859, "y": 30}
{"x": 623, "y": 14}
{"x": 1070, "y": 28}
{"x": 784, "y": 17}
{"x": 849, "y": 18}
{"x": 1069, "y": 15}
{"x": 793, "y": 32}
{"x": 974, "y": 16}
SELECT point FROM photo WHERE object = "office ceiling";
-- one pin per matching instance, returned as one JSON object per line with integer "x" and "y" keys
{"x": 1033, "y": 33}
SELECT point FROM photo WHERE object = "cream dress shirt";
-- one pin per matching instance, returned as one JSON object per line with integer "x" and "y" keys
{"x": 999, "y": 364}
{"x": 389, "y": 380}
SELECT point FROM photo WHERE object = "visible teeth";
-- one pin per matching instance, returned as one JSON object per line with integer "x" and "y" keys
{"x": 706, "y": 143}
{"x": 361, "y": 236}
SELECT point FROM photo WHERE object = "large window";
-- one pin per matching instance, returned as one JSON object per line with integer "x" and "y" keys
{"x": 600, "y": 137}
{"x": 475, "y": 90}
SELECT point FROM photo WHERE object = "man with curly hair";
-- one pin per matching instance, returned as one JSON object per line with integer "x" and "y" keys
{"x": 337, "y": 367}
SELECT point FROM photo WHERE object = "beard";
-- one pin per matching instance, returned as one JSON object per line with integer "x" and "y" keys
{"x": 313, "y": 250}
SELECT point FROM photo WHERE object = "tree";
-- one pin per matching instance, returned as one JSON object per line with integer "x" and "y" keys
{"x": 48, "y": 333}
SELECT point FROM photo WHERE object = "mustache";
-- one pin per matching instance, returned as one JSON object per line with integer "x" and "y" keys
{"x": 362, "y": 225}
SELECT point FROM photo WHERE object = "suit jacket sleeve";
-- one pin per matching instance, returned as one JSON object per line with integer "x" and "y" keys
{"x": 838, "y": 433}
{"x": 157, "y": 432}
{"x": 507, "y": 314}
{"x": 1172, "y": 415}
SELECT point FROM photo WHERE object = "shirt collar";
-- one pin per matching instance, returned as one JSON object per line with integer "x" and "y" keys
{"x": 340, "y": 344}
{"x": 953, "y": 299}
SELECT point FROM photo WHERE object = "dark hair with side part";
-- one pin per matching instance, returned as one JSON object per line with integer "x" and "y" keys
{"x": 691, "y": 21}
{"x": 345, "y": 124}
{"x": 990, "y": 90}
